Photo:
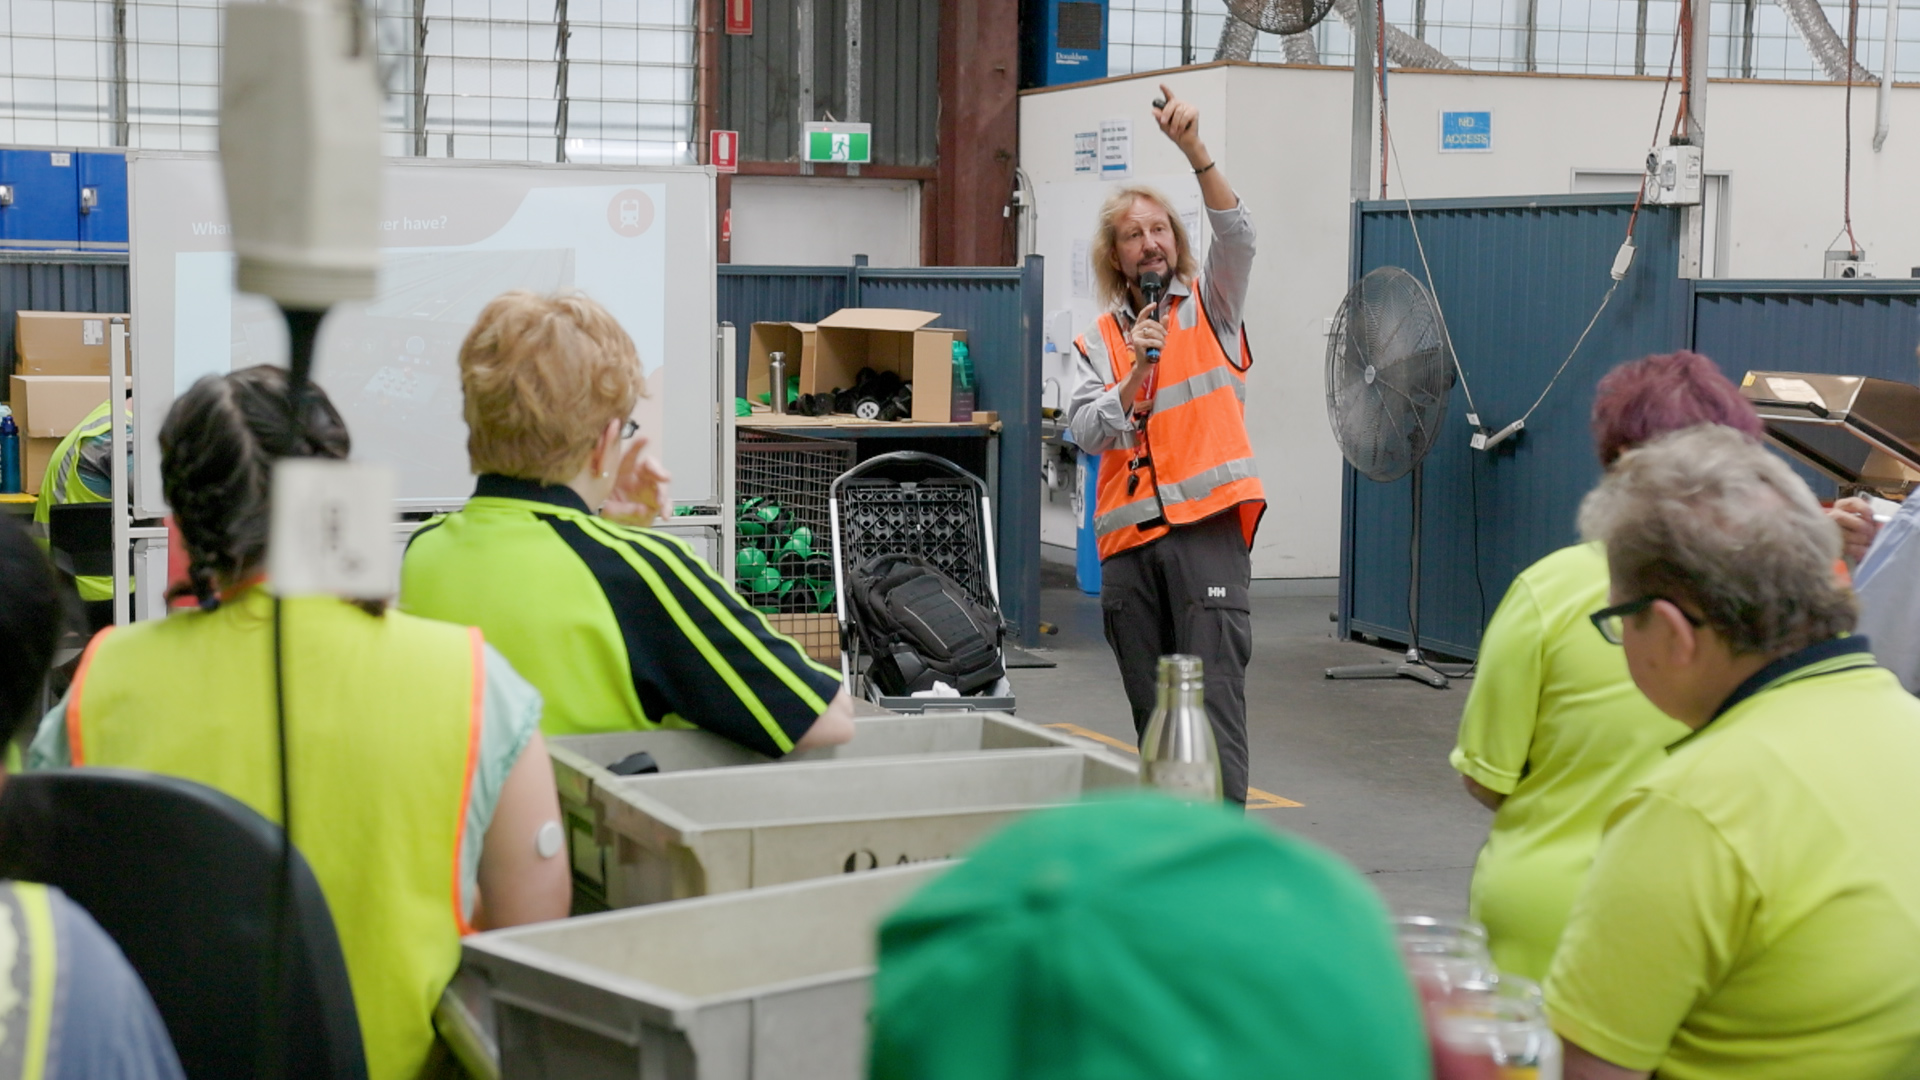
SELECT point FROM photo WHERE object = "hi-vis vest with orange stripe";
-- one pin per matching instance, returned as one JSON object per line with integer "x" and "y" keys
{"x": 1193, "y": 460}
{"x": 383, "y": 732}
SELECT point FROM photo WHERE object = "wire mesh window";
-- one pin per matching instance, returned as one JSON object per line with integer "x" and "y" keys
{"x": 1751, "y": 38}
{"x": 518, "y": 80}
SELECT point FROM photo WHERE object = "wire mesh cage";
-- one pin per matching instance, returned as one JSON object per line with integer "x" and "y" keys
{"x": 783, "y": 553}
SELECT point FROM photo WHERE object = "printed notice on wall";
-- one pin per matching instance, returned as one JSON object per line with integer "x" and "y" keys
{"x": 1466, "y": 132}
{"x": 1082, "y": 271}
{"x": 1116, "y": 149}
{"x": 1086, "y": 153}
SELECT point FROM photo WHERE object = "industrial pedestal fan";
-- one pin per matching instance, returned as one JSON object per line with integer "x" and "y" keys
{"x": 1389, "y": 371}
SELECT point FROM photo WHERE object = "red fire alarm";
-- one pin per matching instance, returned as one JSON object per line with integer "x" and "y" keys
{"x": 723, "y": 151}
{"x": 739, "y": 16}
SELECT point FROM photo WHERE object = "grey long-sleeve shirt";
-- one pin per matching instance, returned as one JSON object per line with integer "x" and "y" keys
{"x": 1094, "y": 412}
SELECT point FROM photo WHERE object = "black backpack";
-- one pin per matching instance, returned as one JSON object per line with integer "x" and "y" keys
{"x": 922, "y": 627}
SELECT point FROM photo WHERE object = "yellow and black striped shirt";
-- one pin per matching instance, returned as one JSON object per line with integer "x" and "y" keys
{"x": 619, "y": 628}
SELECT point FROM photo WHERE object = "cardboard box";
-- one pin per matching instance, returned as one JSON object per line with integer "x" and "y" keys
{"x": 796, "y": 339}
{"x": 62, "y": 343}
{"x": 886, "y": 339}
{"x": 49, "y": 406}
{"x": 37, "y": 454}
{"x": 817, "y": 634}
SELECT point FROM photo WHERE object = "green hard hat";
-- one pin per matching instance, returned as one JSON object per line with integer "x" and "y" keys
{"x": 768, "y": 580}
{"x": 749, "y": 561}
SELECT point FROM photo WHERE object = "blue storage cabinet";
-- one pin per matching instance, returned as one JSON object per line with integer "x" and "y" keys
{"x": 44, "y": 211}
{"x": 102, "y": 200}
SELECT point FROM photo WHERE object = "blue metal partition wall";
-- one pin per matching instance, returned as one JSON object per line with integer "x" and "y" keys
{"x": 1517, "y": 279}
{"x": 1000, "y": 308}
{"x": 64, "y": 281}
{"x": 1835, "y": 327}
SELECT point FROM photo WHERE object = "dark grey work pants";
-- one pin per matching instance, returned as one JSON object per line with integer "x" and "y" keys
{"x": 1187, "y": 593}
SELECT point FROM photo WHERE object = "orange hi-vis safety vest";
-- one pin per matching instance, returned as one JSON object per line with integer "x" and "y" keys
{"x": 1193, "y": 459}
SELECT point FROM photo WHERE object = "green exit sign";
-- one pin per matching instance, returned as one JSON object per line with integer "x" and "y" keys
{"x": 847, "y": 144}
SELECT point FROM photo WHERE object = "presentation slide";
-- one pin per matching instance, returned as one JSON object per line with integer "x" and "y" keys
{"x": 455, "y": 236}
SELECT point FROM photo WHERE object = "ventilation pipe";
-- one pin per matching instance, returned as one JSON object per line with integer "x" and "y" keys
{"x": 1826, "y": 47}
{"x": 1408, "y": 51}
{"x": 1236, "y": 40}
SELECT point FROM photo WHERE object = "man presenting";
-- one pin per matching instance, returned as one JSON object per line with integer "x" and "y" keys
{"x": 1160, "y": 395}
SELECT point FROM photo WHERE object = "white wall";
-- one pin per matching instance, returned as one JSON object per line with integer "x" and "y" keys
{"x": 1281, "y": 134}
{"x": 804, "y": 221}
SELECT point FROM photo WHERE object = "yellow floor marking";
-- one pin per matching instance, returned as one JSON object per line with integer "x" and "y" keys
{"x": 1256, "y": 799}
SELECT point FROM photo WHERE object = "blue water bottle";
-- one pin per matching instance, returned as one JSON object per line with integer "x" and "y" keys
{"x": 9, "y": 455}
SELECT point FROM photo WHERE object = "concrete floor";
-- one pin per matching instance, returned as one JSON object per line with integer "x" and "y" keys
{"x": 1368, "y": 760}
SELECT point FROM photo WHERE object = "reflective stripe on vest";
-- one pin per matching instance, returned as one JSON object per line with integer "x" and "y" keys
{"x": 1195, "y": 459}
{"x": 383, "y": 725}
{"x": 30, "y": 970}
{"x": 1172, "y": 397}
{"x": 61, "y": 486}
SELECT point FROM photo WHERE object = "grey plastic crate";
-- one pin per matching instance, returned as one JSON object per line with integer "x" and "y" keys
{"x": 580, "y": 764}
{"x": 678, "y": 835}
{"x": 772, "y": 984}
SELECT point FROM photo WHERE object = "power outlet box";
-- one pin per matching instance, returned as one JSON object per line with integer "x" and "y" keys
{"x": 1675, "y": 175}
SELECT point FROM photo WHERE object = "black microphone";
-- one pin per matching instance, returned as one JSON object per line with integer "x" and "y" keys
{"x": 1151, "y": 286}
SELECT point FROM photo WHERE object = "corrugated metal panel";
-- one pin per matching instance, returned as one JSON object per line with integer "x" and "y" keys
{"x": 1000, "y": 308}
{"x": 56, "y": 283}
{"x": 751, "y": 294}
{"x": 1836, "y": 327}
{"x": 899, "y": 83}
{"x": 1001, "y": 311}
{"x": 1518, "y": 279}
{"x": 900, "y": 88}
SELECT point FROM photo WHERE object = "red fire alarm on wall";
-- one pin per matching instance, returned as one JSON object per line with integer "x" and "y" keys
{"x": 739, "y": 16}
{"x": 723, "y": 151}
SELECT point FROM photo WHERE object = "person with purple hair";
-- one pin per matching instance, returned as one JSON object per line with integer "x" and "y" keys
{"x": 1554, "y": 731}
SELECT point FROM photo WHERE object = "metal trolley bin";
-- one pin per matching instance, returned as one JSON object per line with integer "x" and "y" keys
{"x": 720, "y": 830}
{"x": 772, "y": 984}
{"x": 580, "y": 764}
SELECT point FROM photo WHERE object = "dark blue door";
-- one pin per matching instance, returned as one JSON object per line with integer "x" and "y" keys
{"x": 44, "y": 212}
{"x": 102, "y": 200}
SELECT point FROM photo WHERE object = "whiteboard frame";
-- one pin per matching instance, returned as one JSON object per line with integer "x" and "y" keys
{"x": 152, "y": 396}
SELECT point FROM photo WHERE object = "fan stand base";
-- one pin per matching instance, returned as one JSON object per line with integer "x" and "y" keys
{"x": 1416, "y": 667}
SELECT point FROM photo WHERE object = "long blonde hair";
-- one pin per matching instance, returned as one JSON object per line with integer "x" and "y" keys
{"x": 1108, "y": 280}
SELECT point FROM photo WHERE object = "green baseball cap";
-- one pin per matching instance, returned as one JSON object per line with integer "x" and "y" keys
{"x": 1141, "y": 937}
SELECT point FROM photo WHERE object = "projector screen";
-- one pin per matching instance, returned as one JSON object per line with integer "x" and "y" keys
{"x": 640, "y": 241}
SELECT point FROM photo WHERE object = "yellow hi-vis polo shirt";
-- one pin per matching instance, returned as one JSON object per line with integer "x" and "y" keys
{"x": 1754, "y": 909}
{"x": 618, "y": 628}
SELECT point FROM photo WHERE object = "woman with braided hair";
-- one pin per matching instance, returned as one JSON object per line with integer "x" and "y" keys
{"x": 421, "y": 791}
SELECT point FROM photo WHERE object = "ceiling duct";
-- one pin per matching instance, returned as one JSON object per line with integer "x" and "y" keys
{"x": 1828, "y": 50}
{"x": 1405, "y": 50}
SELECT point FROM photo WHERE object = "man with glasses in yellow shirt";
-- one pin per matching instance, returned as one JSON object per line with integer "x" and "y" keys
{"x": 1754, "y": 909}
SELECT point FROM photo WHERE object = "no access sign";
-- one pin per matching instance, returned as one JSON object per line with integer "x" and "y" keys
{"x": 1466, "y": 132}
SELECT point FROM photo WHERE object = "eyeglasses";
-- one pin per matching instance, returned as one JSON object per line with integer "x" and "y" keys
{"x": 1611, "y": 621}
{"x": 629, "y": 429}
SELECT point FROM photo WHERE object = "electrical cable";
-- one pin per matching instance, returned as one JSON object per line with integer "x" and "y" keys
{"x": 1653, "y": 143}
{"x": 1380, "y": 39}
{"x": 1446, "y": 336}
{"x": 303, "y": 329}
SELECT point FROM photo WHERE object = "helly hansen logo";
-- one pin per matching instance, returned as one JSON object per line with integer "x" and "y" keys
{"x": 1216, "y": 592}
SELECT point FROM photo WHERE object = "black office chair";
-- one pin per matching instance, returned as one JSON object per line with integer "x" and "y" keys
{"x": 81, "y": 538}
{"x": 183, "y": 878}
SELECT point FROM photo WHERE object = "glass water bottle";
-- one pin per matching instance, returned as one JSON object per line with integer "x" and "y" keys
{"x": 1178, "y": 755}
